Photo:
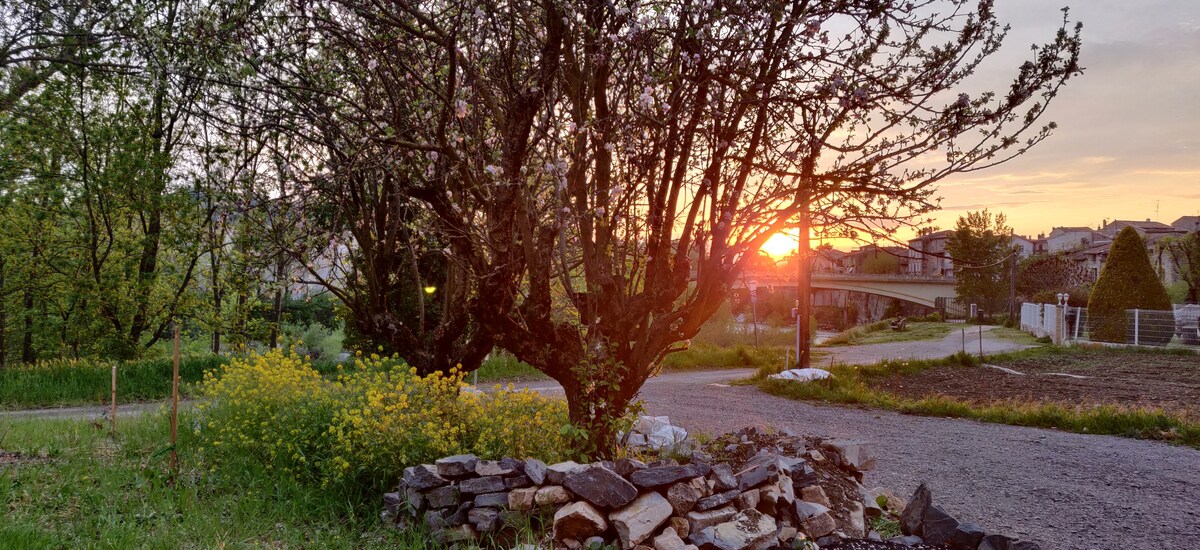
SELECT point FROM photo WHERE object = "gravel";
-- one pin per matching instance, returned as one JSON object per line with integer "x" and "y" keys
{"x": 1066, "y": 491}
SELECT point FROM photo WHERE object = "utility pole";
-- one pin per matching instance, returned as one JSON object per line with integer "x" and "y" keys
{"x": 803, "y": 299}
{"x": 1012, "y": 287}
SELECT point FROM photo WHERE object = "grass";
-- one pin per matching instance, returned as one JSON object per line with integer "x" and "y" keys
{"x": 880, "y": 332}
{"x": 64, "y": 382}
{"x": 850, "y": 385}
{"x": 79, "y": 488}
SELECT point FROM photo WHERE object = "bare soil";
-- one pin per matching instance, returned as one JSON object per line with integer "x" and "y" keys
{"x": 1148, "y": 381}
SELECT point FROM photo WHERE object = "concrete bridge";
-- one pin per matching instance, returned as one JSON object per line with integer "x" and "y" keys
{"x": 918, "y": 289}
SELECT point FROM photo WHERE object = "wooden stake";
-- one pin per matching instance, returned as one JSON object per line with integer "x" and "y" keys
{"x": 112, "y": 413}
{"x": 981, "y": 342}
{"x": 175, "y": 402}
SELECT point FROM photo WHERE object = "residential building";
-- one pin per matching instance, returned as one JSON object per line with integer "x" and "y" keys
{"x": 927, "y": 255}
{"x": 1072, "y": 238}
{"x": 1187, "y": 223}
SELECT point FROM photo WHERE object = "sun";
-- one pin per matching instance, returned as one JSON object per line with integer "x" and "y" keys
{"x": 780, "y": 245}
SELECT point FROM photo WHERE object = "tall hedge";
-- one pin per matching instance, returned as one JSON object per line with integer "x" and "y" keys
{"x": 1127, "y": 281}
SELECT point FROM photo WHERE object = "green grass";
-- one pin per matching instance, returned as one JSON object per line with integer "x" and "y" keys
{"x": 81, "y": 488}
{"x": 880, "y": 332}
{"x": 850, "y": 385}
{"x": 502, "y": 366}
{"x": 1017, "y": 335}
{"x": 63, "y": 383}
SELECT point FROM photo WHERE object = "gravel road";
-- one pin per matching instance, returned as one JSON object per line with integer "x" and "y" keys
{"x": 965, "y": 338}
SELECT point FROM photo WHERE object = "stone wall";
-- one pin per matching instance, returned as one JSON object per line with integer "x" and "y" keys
{"x": 747, "y": 490}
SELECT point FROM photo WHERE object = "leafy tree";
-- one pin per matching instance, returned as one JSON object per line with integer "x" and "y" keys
{"x": 1184, "y": 254}
{"x": 1046, "y": 275}
{"x": 1127, "y": 281}
{"x": 982, "y": 250}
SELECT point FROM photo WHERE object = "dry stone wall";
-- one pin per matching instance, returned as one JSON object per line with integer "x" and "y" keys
{"x": 748, "y": 490}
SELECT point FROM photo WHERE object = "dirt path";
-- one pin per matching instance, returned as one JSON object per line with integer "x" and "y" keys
{"x": 967, "y": 338}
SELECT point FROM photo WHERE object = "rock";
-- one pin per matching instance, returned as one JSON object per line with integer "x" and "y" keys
{"x": 641, "y": 518}
{"x": 786, "y": 534}
{"x": 456, "y": 466}
{"x": 747, "y": 529}
{"x": 494, "y": 500}
{"x": 556, "y": 474}
{"x": 819, "y": 525}
{"x": 701, "y": 457}
{"x": 907, "y": 540}
{"x": 1001, "y": 542}
{"x": 747, "y": 500}
{"x": 937, "y": 527}
{"x": 536, "y": 470}
{"x": 601, "y": 486}
{"x": 517, "y": 466}
{"x": 914, "y": 513}
{"x": 815, "y": 494}
{"x": 459, "y": 516}
{"x": 521, "y": 499}
{"x": 423, "y": 477}
{"x": 442, "y": 497}
{"x": 579, "y": 521}
{"x": 571, "y": 544}
{"x": 551, "y": 495}
{"x": 480, "y": 485}
{"x": 492, "y": 468}
{"x": 857, "y": 526}
{"x": 626, "y": 466}
{"x": 855, "y": 456}
{"x": 719, "y": 499}
{"x": 816, "y": 455}
{"x": 669, "y": 540}
{"x": 661, "y": 476}
{"x": 966, "y": 537}
{"x": 805, "y": 510}
{"x": 414, "y": 499}
{"x": 683, "y": 497}
{"x": 754, "y": 475}
{"x": 436, "y": 519}
{"x": 484, "y": 519}
{"x": 702, "y": 486}
{"x": 723, "y": 475}
{"x": 517, "y": 482}
{"x": 698, "y": 521}
{"x": 681, "y": 526}
{"x": 593, "y": 543}
{"x": 392, "y": 507}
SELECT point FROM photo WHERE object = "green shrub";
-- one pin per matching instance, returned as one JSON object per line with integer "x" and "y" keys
{"x": 361, "y": 428}
{"x": 1127, "y": 281}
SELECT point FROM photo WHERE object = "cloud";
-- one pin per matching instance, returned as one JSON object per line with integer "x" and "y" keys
{"x": 1097, "y": 160}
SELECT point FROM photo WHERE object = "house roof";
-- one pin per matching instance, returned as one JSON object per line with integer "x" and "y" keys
{"x": 1115, "y": 226}
{"x": 1187, "y": 223}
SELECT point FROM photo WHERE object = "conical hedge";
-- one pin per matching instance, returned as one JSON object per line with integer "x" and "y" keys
{"x": 1127, "y": 281}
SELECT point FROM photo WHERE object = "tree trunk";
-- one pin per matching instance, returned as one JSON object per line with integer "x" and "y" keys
{"x": 214, "y": 260}
{"x": 277, "y": 308}
{"x": 27, "y": 354}
{"x": 3, "y": 318}
{"x": 803, "y": 295}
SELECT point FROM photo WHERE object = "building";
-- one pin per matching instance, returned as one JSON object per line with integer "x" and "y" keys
{"x": 1072, "y": 238}
{"x": 1027, "y": 246}
{"x": 1187, "y": 223}
{"x": 927, "y": 255}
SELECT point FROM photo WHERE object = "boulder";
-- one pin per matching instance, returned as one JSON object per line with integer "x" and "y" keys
{"x": 442, "y": 497}
{"x": 536, "y": 470}
{"x": 640, "y": 519}
{"x": 755, "y": 474}
{"x": 551, "y": 495}
{"x": 683, "y": 497}
{"x": 579, "y": 521}
{"x": 669, "y": 540}
{"x": 722, "y": 474}
{"x": 601, "y": 486}
{"x": 456, "y": 466}
{"x": 966, "y": 537}
{"x": 719, "y": 499}
{"x": 747, "y": 500}
{"x": 392, "y": 507}
{"x": 423, "y": 477}
{"x": 626, "y": 466}
{"x": 816, "y": 495}
{"x": 906, "y": 540}
{"x": 494, "y": 500}
{"x": 517, "y": 482}
{"x": 414, "y": 499}
{"x": 492, "y": 468}
{"x": 681, "y": 526}
{"x": 938, "y": 527}
{"x": 748, "y": 529}
{"x": 855, "y": 456}
{"x": 480, "y": 485}
{"x": 557, "y": 473}
{"x": 914, "y": 512}
{"x": 521, "y": 499}
{"x": 484, "y": 519}
{"x": 661, "y": 476}
{"x": 819, "y": 525}
{"x": 698, "y": 521}
{"x": 805, "y": 510}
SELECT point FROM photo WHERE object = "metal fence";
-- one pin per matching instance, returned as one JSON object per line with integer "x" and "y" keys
{"x": 1138, "y": 327}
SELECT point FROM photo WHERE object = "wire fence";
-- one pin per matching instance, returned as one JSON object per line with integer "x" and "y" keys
{"x": 1179, "y": 327}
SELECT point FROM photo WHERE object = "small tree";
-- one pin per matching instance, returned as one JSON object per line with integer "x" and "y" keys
{"x": 1184, "y": 253}
{"x": 981, "y": 246}
{"x": 1045, "y": 275}
{"x": 1127, "y": 281}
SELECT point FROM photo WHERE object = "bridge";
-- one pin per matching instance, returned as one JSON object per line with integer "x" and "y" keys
{"x": 918, "y": 289}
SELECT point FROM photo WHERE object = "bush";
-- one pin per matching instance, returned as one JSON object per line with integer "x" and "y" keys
{"x": 1127, "y": 281}
{"x": 363, "y": 427}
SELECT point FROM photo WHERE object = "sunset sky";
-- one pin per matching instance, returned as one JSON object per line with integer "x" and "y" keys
{"x": 1128, "y": 143}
